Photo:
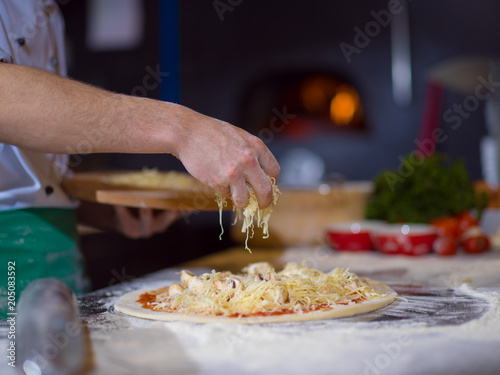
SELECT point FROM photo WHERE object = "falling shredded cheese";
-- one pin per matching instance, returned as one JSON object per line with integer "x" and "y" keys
{"x": 251, "y": 212}
{"x": 154, "y": 179}
{"x": 262, "y": 290}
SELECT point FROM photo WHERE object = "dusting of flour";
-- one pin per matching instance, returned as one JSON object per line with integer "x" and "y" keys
{"x": 448, "y": 322}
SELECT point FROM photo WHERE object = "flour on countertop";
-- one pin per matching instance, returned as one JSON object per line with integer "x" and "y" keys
{"x": 449, "y": 323}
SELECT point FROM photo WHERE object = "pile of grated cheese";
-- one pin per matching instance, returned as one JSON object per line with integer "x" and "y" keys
{"x": 260, "y": 289}
{"x": 251, "y": 212}
{"x": 154, "y": 179}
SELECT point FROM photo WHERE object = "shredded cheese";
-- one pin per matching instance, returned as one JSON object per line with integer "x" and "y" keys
{"x": 262, "y": 290}
{"x": 251, "y": 212}
{"x": 154, "y": 179}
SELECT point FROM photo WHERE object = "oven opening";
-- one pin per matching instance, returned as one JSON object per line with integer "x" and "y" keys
{"x": 300, "y": 105}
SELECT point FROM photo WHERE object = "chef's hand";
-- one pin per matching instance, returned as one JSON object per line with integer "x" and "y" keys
{"x": 145, "y": 224}
{"x": 218, "y": 154}
{"x": 226, "y": 158}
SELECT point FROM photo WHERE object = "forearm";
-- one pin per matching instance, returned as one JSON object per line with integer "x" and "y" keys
{"x": 47, "y": 113}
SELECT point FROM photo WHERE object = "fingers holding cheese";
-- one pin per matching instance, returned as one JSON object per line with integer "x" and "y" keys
{"x": 226, "y": 157}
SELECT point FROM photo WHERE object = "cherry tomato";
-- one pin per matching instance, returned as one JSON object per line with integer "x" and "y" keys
{"x": 447, "y": 226}
{"x": 445, "y": 245}
{"x": 476, "y": 244}
{"x": 466, "y": 221}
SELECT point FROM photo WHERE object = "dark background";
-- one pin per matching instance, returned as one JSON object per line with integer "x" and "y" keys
{"x": 222, "y": 58}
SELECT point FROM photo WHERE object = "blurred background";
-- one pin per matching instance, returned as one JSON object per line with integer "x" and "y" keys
{"x": 332, "y": 87}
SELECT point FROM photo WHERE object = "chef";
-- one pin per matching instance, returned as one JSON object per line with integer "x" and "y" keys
{"x": 44, "y": 116}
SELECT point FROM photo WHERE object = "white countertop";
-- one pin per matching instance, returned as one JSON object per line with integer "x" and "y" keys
{"x": 449, "y": 324}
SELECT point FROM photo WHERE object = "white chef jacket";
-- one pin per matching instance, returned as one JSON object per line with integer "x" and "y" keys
{"x": 32, "y": 34}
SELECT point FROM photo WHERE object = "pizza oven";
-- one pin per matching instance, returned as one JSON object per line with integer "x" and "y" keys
{"x": 292, "y": 109}
{"x": 302, "y": 104}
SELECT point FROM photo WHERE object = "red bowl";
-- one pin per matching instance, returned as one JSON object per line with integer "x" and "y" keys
{"x": 408, "y": 239}
{"x": 351, "y": 236}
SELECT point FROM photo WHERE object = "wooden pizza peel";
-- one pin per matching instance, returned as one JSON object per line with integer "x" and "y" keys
{"x": 94, "y": 187}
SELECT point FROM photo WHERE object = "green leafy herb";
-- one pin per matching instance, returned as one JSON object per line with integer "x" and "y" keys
{"x": 422, "y": 189}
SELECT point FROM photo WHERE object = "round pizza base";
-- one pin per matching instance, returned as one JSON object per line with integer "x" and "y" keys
{"x": 128, "y": 304}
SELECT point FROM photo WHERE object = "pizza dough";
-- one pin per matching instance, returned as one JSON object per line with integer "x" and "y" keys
{"x": 309, "y": 294}
{"x": 128, "y": 304}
